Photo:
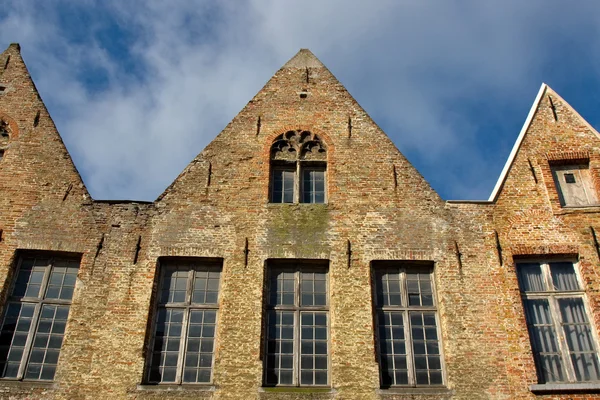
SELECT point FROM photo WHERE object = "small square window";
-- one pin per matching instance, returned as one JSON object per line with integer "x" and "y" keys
{"x": 574, "y": 185}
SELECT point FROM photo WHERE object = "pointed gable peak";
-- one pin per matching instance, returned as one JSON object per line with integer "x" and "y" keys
{"x": 304, "y": 59}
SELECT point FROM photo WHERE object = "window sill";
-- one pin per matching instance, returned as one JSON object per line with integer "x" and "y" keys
{"x": 547, "y": 388}
{"x": 294, "y": 389}
{"x": 439, "y": 390}
{"x": 158, "y": 388}
{"x": 29, "y": 384}
{"x": 595, "y": 208}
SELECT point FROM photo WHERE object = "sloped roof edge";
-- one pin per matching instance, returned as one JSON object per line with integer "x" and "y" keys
{"x": 515, "y": 149}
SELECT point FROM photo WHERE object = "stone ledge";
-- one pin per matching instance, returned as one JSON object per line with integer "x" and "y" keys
{"x": 293, "y": 389}
{"x": 28, "y": 384}
{"x": 179, "y": 388}
{"x": 434, "y": 391}
{"x": 565, "y": 388}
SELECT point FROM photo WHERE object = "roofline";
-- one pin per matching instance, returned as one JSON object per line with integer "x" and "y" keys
{"x": 515, "y": 149}
{"x": 469, "y": 202}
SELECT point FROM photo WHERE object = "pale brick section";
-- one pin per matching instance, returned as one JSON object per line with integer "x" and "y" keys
{"x": 378, "y": 207}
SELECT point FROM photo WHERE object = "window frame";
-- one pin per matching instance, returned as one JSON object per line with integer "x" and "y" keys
{"x": 298, "y": 167}
{"x": 402, "y": 267}
{"x": 39, "y": 302}
{"x": 297, "y": 267}
{"x": 202, "y": 264}
{"x": 552, "y": 296}
{"x": 557, "y": 170}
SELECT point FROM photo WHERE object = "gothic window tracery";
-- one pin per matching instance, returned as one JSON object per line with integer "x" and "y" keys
{"x": 298, "y": 168}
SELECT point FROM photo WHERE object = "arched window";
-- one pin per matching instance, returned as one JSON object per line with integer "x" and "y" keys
{"x": 298, "y": 168}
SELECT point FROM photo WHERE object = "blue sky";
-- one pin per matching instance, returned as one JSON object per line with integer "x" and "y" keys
{"x": 138, "y": 88}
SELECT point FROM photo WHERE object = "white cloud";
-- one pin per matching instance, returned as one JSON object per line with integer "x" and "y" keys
{"x": 415, "y": 66}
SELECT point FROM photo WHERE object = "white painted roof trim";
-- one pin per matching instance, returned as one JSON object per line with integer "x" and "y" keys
{"x": 513, "y": 152}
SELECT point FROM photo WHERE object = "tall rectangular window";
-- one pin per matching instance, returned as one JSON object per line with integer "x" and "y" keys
{"x": 283, "y": 185}
{"x": 36, "y": 315}
{"x": 185, "y": 323}
{"x": 297, "y": 326}
{"x": 313, "y": 185}
{"x": 407, "y": 325}
{"x": 559, "y": 326}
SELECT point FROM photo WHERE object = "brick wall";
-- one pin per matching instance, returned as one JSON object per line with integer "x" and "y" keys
{"x": 376, "y": 201}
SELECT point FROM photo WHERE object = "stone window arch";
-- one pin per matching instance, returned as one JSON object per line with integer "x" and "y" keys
{"x": 298, "y": 168}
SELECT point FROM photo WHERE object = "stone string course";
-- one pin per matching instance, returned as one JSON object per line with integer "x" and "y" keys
{"x": 376, "y": 200}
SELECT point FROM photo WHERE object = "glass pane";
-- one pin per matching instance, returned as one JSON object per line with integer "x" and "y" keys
{"x": 579, "y": 339}
{"x": 313, "y": 289}
{"x": 282, "y": 288}
{"x": 62, "y": 280}
{"x": 563, "y": 276}
{"x": 174, "y": 284}
{"x": 200, "y": 346}
{"x": 313, "y": 186}
{"x": 419, "y": 289}
{"x": 544, "y": 341}
{"x": 392, "y": 348}
{"x": 530, "y": 277}
{"x": 46, "y": 345}
{"x": 206, "y": 287}
{"x": 425, "y": 347}
{"x": 30, "y": 276}
{"x": 313, "y": 351}
{"x": 388, "y": 288}
{"x": 280, "y": 347}
{"x": 167, "y": 343}
{"x": 13, "y": 335}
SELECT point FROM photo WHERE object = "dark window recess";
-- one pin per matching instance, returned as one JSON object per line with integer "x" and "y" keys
{"x": 36, "y": 317}
{"x": 182, "y": 350}
{"x": 562, "y": 340}
{"x": 407, "y": 327}
{"x": 297, "y": 320}
{"x": 569, "y": 178}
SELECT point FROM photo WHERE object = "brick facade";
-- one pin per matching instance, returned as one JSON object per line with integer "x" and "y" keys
{"x": 378, "y": 208}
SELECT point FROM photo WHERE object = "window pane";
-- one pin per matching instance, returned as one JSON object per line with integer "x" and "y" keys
{"x": 29, "y": 277}
{"x": 46, "y": 345}
{"x": 419, "y": 289}
{"x": 200, "y": 346}
{"x": 167, "y": 343}
{"x": 313, "y": 186}
{"x": 530, "y": 277}
{"x": 13, "y": 336}
{"x": 283, "y": 186}
{"x": 174, "y": 285}
{"x": 62, "y": 280}
{"x": 313, "y": 289}
{"x": 425, "y": 347}
{"x": 544, "y": 341}
{"x": 579, "y": 339}
{"x": 392, "y": 348}
{"x": 388, "y": 288}
{"x": 282, "y": 290}
{"x": 313, "y": 351}
{"x": 563, "y": 276}
{"x": 280, "y": 339}
{"x": 206, "y": 287}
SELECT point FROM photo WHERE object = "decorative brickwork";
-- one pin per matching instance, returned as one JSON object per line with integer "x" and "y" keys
{"x": 379, "y": 210}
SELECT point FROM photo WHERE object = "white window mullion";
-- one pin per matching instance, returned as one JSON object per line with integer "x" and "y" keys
{"x": 410, "y": 362}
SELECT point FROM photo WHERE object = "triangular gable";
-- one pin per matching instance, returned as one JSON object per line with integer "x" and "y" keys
{"x": 544, "y": 88}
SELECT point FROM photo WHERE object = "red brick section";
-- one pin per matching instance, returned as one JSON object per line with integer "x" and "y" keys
{"x": 385, "y": 215}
